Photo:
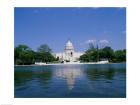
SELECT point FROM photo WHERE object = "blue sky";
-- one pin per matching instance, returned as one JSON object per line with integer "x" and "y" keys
{"x": 54, "y": 26}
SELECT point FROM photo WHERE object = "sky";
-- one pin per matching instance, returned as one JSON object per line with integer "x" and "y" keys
{"x": 55, "y": 26}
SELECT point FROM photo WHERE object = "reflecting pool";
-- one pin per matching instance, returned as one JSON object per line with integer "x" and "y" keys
{"x": 62, "y": 81}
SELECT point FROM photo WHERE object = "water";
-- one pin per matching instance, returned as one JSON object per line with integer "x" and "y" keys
{"x": 62, "y": 81}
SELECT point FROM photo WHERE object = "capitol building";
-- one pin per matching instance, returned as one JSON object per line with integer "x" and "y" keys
{"x": 69, "y": 54}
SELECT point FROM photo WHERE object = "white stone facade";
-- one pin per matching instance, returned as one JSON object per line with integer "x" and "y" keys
{"x": 69, "y": 55}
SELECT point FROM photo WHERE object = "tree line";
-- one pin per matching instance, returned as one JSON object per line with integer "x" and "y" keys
{"x": 107, "y": 53}
{"x": 24, "y": 55}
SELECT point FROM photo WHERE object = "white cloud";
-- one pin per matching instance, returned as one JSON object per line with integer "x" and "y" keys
{"x": 104, "y": 41}
{"x": 91, "y": 41}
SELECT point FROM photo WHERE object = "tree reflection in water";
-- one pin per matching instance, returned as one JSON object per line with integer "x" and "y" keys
{"x": 23, "y": 77}
{"x": 104, "y": 71}
{"x": 94, "y": 74}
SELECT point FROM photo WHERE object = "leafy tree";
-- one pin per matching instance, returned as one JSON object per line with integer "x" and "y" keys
{"x": 106, "y": 53}
{"x": 120, "y": 56}
{"x": 84, "y": 58}
{"x": 94, "y": 54}
{"x": 23, "y": 55}
{"x": 44, "y": 48}
{"x": 43, "y": 54}
{"x": 91, "y": 55}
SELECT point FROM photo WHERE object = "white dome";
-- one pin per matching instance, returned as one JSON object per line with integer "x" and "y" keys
{"x": 69, "y": 45}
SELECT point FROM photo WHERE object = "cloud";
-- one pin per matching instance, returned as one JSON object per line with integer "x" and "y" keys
{"x": 104, "y": 41}
{"x": 91, "y": 41}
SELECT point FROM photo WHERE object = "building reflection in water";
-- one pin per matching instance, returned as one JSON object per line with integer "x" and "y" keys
{"x": 70, "y": 74}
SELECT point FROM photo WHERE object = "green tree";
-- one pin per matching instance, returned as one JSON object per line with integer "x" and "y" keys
{"x": 23, "y": 55}
{"x": 91, "y": 55}
{"x": 106, "y": 53}
{"x": 44, "y": 48}
{"x": 120, "y": 56}
{"x": 43, "y": 54}
{"x": 95, "y": 54}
